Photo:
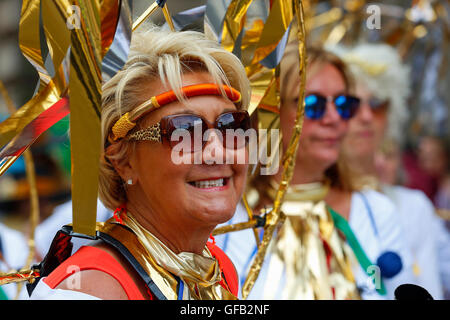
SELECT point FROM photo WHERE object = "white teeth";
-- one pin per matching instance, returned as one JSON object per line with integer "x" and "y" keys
{"x": 209, "y": 183}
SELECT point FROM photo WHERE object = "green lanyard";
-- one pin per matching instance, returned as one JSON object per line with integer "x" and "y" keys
{"x": 3, "y": 295}
{"x": 342, "y": 224}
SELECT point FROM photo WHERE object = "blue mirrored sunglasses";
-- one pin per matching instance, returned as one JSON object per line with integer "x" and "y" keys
{"x": 316, "y": 105}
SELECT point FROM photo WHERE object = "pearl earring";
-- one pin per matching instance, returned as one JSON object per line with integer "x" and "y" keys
{"x": 130, "y": 182}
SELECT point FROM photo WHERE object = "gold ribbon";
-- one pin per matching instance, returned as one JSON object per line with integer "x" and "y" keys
{"x": 234, "y": 22}
{"x": 299, "y": 250}
{"x": 53, "y": 15}
{"x": 200, "y": 273}
{"x": 85, "y": 103}
{"x": 274, "y": 218}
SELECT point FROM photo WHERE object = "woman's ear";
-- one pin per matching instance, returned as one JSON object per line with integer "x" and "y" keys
{"x": 122, "y": 164}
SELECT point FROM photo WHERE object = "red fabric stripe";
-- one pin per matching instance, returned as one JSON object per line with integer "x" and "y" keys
{"x": 36, "y": 127}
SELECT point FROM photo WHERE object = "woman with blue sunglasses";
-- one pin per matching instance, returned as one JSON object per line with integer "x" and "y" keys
{"x": 315, "y": 254}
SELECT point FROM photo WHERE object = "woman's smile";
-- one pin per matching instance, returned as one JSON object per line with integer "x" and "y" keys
{"x": 211, "y": 184}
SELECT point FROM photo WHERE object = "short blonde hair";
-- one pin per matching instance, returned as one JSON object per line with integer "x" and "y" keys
{"x": 379, "y": 67}
{"x": 165, "y": 56}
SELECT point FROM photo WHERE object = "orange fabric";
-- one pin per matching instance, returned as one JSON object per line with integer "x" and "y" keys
{"x": 198, "y": 90}
{"x": 227, "y": 267}
{"x": 92, "y": 258}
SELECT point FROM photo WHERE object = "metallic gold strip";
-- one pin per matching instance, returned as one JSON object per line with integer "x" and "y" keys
{"x": 29, "y": 37}
{"x": 250, "y": 217}
{"x": 85, "y": 103}
{"x": 23, "y": 116}
{"x": 168, "y": 17}
{"x": 6, "y": 163}
{"x": 109, "y": 16}
{"x": 233, "y": 22}
{"x": 54, "y": 19}
{"x": 235, "y": 227}
{"x": 275, "y": 217}
{"x": 147, "y": 13}
{"x": 50, "y": 89}
{"x": 275, "y": 27}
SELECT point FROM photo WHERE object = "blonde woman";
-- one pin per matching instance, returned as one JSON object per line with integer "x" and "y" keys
{"x": 155, "y": 246}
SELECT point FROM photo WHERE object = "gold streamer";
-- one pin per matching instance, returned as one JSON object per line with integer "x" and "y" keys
{"x": 167, "y": 16}
{"x": 85, "y": 102}
{"x": 29, "y": 38}
{"x": 275, "y": 217}
{"x": 147, "y": 13}
{"x": 250, "y": 218}
{"x": 275, "y": 27}
{"x": 233, "y": 23}
{"x": 29, "y": 42}
{"x": 109, "y": 13}
{"x": 236, "y": 227}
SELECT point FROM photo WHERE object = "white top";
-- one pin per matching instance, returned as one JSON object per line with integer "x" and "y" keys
{"x": 15, "y": 252}
{"x": 421, "y": 228}
{"x": 240, "y": 246}
{"x": 378, "y": 228}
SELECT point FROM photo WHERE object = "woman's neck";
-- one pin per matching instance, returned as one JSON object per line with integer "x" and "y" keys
{"x": 340, "y": 201}
{"x": 304, "y": 173}
{"x": 174, "y": 234}
{"x": 363, "y": 165}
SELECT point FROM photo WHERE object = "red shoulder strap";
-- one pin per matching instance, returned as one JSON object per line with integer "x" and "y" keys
{"x": 227, "y": 268}
{"x": 92, "y": 258}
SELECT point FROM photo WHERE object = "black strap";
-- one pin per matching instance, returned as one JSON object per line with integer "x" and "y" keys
{"x": 134, "y": 263}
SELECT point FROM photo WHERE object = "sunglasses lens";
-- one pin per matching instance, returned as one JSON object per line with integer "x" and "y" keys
{"x": 186, "y": 132}
{"x": 346, "y": 106}
{"x": 377, "y": 104}
{"x": 315, "y": 106}
{"x": 233, "y": 126}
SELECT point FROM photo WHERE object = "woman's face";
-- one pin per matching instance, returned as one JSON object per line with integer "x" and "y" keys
{"x": 320, "y": 139}
{"x": 366, "y": 128}
{"x": 173, "y": 192}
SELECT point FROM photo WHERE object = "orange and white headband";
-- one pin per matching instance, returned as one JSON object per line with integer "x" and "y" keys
{"x": 125, "y": 124}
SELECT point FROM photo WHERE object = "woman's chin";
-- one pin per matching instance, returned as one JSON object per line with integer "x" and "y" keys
{"x": 216, "y": 213}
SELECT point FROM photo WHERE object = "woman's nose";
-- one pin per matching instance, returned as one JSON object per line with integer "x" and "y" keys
{"x": 213, "y": 151}
{"x": 331, "y": 114}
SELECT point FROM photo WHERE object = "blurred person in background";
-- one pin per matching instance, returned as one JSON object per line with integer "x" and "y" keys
{"x": 382, "y": 84}
{"x": 434, "y": 158}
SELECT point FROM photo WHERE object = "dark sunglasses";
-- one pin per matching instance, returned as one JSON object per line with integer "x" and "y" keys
{"x": 377, "y": 104}
{"x": 316, "y": 105}
{"x": 166, "y": 129}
